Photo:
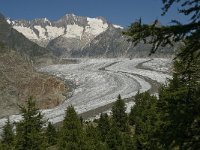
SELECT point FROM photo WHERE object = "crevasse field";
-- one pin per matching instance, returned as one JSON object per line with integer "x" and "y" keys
{"x": 99, "y": 82}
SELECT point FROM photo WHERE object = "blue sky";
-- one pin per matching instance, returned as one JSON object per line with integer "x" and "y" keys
{"x": 122, "y": 12}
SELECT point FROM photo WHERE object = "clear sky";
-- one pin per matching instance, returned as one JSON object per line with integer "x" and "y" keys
{"x": 122, "y": 12}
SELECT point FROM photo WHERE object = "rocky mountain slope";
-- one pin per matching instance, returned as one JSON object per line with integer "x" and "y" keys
{"x": 17, "y": 41}
{"x": 75, "y": 36}
{"x": 18, "y": 78}
{"x": 112, "y": 43}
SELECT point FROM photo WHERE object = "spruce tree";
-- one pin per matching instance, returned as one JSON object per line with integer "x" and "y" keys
{"x": 114, "y": 139}
{"x": 29, "y": 131}
{"x": 103, "y": 126}
{"x": 161, "y": 36}
{"x": 128, "y": 142}
{"x": 179, "y": 100}
{"x": 7, "y": 136}
{"x": 93, "y": 139}
{"x": 145, "y": 119}
{"x": 71, "y": 134}
{"x": 119, "y": 115}
{"x": 51, "y": 134}
{"x": 179, "y": 106}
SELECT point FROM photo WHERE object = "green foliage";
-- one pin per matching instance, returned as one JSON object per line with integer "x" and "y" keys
{"x": 29, "y": 132}
{"x": 179, "y": 106}
{"x": 92, "y": 139}
{"x": 170, "y": 122}
{"x": 179, "y": 101}
{"x": 103, "y": 126}
{"x": 128, "y": 142}
{"x": 166, "y": 35}
{"x": 71, "y": 134}
{"x": 187, "y": 7}
{"x": 7, "y": 136}
{"x": 51, "y": 134}
{"x": 145, "y": 119}
{"x": 119, "y": 115}
{"x": 114, "y": 139}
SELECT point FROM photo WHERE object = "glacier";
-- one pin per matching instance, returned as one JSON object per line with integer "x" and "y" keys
{"x": 99, "y": 82}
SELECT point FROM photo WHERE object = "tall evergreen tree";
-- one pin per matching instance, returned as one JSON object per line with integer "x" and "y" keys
{"x": 7, "y": 136}
{"x": 179, "y": 101}
{"x": 93, "y": 139}
{"x": 145, "y": 118}
{"x": 103, "y": 126}
{"x": 128, "y": 142}
{"x": 71, "y": 134}
{"x": 29, "y": 131}
{"x": 119, "y": 115}
{"x": 114, "y": 139}
{"x": 179, "y": 106}
{"x": 160, "y": 36}
{"x": 51, "y": 134}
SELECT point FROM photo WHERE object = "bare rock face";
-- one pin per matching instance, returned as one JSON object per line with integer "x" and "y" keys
{"x": 19, "y": 81}
{"x": 47, "y": 91}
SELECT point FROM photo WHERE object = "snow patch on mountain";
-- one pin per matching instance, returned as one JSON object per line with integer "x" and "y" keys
{"x": 74, "y": 31}
{"x": 118, "y": 26}
{"x": 54, "y": 32}
{"x": 26, "y": 31}
{"x": 42, "y": 32}
{"x": 96, "y": 26}
{"x": 8, "y": 20}
{"x": 46, "y": 20}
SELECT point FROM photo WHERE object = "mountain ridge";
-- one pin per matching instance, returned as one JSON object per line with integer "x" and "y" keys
{"x": 79, "y": 36}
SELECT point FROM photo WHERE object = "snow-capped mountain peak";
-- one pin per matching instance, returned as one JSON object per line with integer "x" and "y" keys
{"x": 8, "y": 20}
{"x": 77, "y": 36}
{"x": 42, "y": 31}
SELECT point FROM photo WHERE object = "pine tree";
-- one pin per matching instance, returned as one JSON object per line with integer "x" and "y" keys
{"x": 131, "y": 117}
{"x": 7, "y": 136}
{"x": 29, "y": 131}
{"x": 71, "y": 134}
{"x": 119, "y": 115}
{"x": 179, "y": 101}
{"x": 145, "y": 118}
{"x": 161, "y": 36}
{"x": 92, "y": 138}
{"x": 128, "y": 142}
{"x": 179, "y": 106}
{"x": 51, "y": 134}
{"x": 103, "y": 126}
{"x": 114, "y": 139}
